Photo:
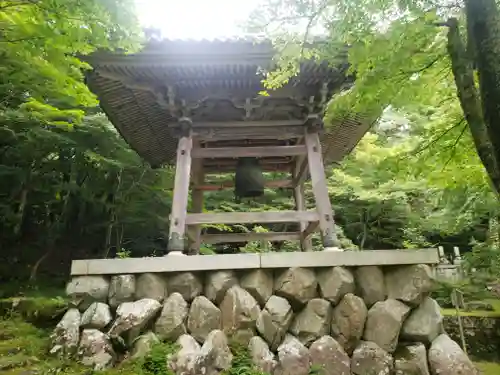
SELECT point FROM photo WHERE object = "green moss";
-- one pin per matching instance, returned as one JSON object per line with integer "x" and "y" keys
{"x": 495, "y": 303}
{"x": 489, "y": 368}
{"x": 24, "y": 348}
{"x": 42, "y": 310}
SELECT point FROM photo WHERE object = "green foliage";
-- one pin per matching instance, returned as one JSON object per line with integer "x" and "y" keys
{"x": 40, "y": 42}
{"x": 77, "y": 185}
{"x": 242, "y": 362}
{"x": 155, "y": 362}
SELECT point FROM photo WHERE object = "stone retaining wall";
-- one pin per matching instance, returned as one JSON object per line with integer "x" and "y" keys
{"x": 343, "y": 320}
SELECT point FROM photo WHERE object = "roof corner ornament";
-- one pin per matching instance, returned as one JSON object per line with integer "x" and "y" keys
{"x": 185, "y": 126}
{"x": 187, "y": 108}
{"x": 314, "y": 123}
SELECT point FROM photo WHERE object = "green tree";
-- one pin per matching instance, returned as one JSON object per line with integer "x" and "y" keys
{"x": 402, "y": 52}
{"x": 40, "y": 41}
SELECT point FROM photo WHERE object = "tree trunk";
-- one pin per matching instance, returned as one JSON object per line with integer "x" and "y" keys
{"x": 484, "y": 32}
{"x": 468, "y": 96}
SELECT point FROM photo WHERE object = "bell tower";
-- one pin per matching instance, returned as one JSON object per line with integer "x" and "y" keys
{"x": 199, "y": 106}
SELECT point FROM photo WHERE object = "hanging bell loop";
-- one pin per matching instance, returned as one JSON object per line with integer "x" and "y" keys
{"x": 248, "y": 179}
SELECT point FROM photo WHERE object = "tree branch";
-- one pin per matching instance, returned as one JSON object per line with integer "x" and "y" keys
{"x": 436, "y": 139}
{"x": 454, "y": 147}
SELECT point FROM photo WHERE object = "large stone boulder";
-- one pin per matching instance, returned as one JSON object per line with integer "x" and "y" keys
{"x": 348, "y": 322}
{"x": 171, "y": 322}
{"x": 187, "y": 361}
{"x": 328, "y": 355}
{"x": 97, "y": 316}
{"x": 143, "y": 345}
{"x": 121, "y": 289}
{"x": 370, "y": 284}
{"x": 370, "y": 359}
{"x": 262, "y": 357}
{"x": 274, "y": 321}
{"x": 384, "y": 322}
{"x": 151, "y": 285}
{"x": 293, "y": 358}
{"x": 131, "y": 317}
{"x": 187, "y": 284}
{"x": 217, "y": 283}
{"x": 259, "y": 283}
{"x": 239, "y": 314}
{"x": 64, "y": 339}
{"x": 447, "y": 358}
{"x": 297, "y": 285}
{"x": 203, "y": 318}
{"x": 313, "y": 321}
{"x": 215, "y": 353}
{"x": 95, "y": 350}
{"x": 410, "y": 284}
{"x": 411, "y": 360}
{"x": 424, "y": 324}
{"x": 85, "y": 290}
{"x": 334, "y": 283}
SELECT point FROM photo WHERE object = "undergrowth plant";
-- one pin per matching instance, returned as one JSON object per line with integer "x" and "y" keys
{"x": 155, "y": 362}
{"x": 242, "y": 362}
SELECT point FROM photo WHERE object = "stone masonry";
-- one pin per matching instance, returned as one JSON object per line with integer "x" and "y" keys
{"x": 341, "y": 320}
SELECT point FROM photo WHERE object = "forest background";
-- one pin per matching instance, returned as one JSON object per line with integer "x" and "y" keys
{"x": 70, "y": 187}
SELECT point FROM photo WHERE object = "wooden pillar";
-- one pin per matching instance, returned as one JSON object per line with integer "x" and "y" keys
{"x": 320, "y": 189}
{"x": 298, "y": 191}
{"x": 198, "y": 178}
{"x": 177, "y": 233}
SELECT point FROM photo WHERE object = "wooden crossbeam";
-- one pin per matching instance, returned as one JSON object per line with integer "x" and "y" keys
{"x": 252, "y": 217}
{"x": 251, "y": 236}
{"x": 236, "y": 152}
{"x": 230, "y": 184}
{"x": 246, "y": 124}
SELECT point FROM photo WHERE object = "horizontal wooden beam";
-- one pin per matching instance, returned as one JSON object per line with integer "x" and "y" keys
{"x": 218, "y": 169}
{"x": 236, "y": 152}
{"x": 246, "y": 124}
{"x": 275, "y": 184}
{"x": 233, "y": 162}
{"x": 244, "y": 133}
{"x": 252, "y": 217}
{"x": 251, "y": 236}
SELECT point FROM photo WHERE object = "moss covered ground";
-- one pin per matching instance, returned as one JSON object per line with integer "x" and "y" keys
{"x": 495, "y": 313}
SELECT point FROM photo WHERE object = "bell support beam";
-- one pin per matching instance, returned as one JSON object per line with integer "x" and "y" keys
{"x": 177, "y": 232}
{"x": 276, "y": 184}
{"x": 320, "y": 188}
{"x": 251, "y": 236}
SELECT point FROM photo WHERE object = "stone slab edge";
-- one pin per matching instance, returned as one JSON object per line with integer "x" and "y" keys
{"x": 253, "y": 261}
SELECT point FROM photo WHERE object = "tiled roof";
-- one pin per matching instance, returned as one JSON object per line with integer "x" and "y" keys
{"x": 202, "y": 68}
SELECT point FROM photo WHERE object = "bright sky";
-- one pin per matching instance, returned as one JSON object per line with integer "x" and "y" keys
{"x": 195, "y": 19}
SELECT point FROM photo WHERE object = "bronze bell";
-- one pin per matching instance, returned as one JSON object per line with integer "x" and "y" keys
{"x": 248, "y": 179}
